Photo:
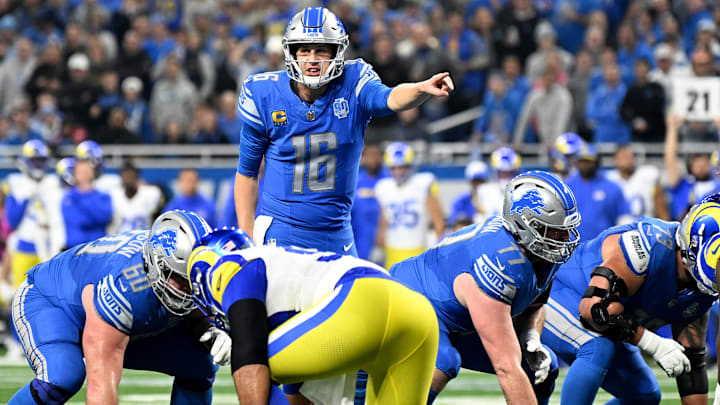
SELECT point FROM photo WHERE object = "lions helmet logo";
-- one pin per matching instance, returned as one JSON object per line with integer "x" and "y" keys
{"x": 531, "y": 200}
{"x": 167, "y": 240}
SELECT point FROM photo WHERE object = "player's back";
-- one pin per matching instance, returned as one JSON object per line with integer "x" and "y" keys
{"x": 490, "y": 254}
{"x": 639, "y": 189}
{"x": 314, "y": 150}
{"x": 114, "y": 264}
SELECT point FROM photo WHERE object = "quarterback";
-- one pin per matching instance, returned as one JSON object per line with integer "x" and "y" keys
{"x": 309, "y": 122}
{"x": 330, "y": 316}
{"x": 118, "y": 302}
{"x": 487, "y": 281}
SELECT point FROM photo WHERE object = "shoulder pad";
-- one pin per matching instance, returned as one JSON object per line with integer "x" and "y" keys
{"x": 112, "y": 305}
{"x": 636, "y": 249}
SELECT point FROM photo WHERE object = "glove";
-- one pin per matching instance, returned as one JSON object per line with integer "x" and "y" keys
{"x": 536, "y": 354}
{"x": 667, "y": 353}
{"x": 221, "y": 345}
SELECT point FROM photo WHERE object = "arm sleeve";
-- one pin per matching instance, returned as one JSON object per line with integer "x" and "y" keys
{"x": 246, "y": 282}
{"x": 253, "y": 143}
{"x": 112, "y": 306}
{"x": 636, "y": 251}
{"x": 14, "y": 210}
{"x": 371, "y": 93}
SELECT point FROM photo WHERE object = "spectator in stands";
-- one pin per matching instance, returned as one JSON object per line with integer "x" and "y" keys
{"x": 598, "y": 199}
{"x": 703, "y": 65}
{"x": 469, "y": 51}
{"x": 595, "y": 43}
{"x": 20, "y": 130}
{"x": 198, "y": 65}
{"x": 188, "y": 198}
{"x": 109, "y": 96}
{"x": 137, "y": 110}
{"x": 548, "y": 107}
{"x": 174, "y": 132}
{"x": 428, "y": 57}
{"x": 366, "y": 210}
{"x": 205, "y": 126}
{"x": 160, "y": 43}
{"x": 464, "y": 205}
{"x": 696, "y": 11}
{"x": 495, "y": 124}
{"x": 672, "y": 37}
{"x": 630, "y": 49}
{"x": 684, "y": 190}
{"x": 134, "y": 61}
{"x": 15, "y": 72}
{"x": 47, "y": 120}
{"x": 174, "y": 97}
{"x": 707, "y": 38}
{"x": 411, "y": 126}
{"x": 578, "y": 85}
{"x": 603, "y": 109}
{"x": 644, "y": 106}
{"x": 78, "y": 95}
{"x": 86, "y": 211}
{"x": 115, "y": 131}
{"x": 570, "y": 20}
{"x": 546, "y": 39}
{"x": 518, "y": 86}
{"x": 517, "y": 20}
{"x": 640, "y": 185}
{"x": 229, "y": 122}
{"x": 483, "y": 23}
{"x": 666, "y": 71}
{"x": 48, "y": 74}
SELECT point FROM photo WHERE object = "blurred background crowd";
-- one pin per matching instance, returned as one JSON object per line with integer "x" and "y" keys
{"x": 166, "y": 71}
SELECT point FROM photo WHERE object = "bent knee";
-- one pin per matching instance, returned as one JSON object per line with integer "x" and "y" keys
{"x": 45, "y": 393}
{"x": 650, "y": 398}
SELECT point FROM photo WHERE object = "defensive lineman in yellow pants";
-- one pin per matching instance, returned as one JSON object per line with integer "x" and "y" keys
{"x": 330, "y": 316}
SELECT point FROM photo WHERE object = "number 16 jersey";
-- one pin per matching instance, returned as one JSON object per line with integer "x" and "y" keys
{"x": 312, "y": 151}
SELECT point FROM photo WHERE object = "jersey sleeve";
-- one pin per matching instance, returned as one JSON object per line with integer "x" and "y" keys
{"x": 371, "y": 93}
{"x": 636, "y": 250}
{"x": 237, "y": 282}
{"x": 112, "y": 305}
{"x": 247, "y": 106}
{"x": 252, "y": 148}
{"x": 492, "y": 280}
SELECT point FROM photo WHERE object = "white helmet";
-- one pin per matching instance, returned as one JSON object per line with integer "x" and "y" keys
{"x": 541, "y": 212}
{"x": 166, "y": 252}
{"x": 315, "y": 25}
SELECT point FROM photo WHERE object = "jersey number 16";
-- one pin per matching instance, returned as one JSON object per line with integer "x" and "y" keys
{"x": 314, "y": 160}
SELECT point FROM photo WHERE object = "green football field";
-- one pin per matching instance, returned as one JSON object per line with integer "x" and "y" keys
{"x": 152, "y": 388}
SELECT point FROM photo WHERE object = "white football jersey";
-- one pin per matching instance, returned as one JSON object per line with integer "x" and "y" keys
{"x": 33, "y": 230}
{"x": 489, "y": 199}
{"x": 639, "y": 189}
{"x": 108, "y": 182}
{"x": 405, "y": 209}
{"x": 299, "y": 278}
{"x": 132, "y": 214}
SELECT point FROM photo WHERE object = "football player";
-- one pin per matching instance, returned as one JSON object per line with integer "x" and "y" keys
{"x": 92, "y": 152}
{"x": 309, "y": 122}
{"x": 640, "y": 185}
{"x": 488, "y": 283}
{"x": 489, "y": 195}
{"x": 464, "y": 206}
{"x": 25, "y": 211}
{"x": 135, "y": 204}
{"x": 328, "y": 317}
{"x": 564, "y": 152}
{"x": 626, "y": 283}
{"x": 409, "y": 204}
{"x": 118, "y": 302}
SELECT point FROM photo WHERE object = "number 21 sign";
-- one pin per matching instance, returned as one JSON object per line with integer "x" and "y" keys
{"x": 697, "y": 99}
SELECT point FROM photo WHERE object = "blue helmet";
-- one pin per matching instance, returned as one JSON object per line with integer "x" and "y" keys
{"x": 541, "y": 211}
{"x": 64, "y": 169}
{"x": 167, "y": 252}
{"x": 568, "y": 144}
{"x": 91, "y": 152}
{"x": 33, "y": 159}
{"x": 399, "y": 154}
{"x": 505, "y": 159}
{"x": 698, "y": 227}
{"x": 211, "y": 250}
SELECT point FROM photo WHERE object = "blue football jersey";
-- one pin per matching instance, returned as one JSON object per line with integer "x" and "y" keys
{"x": 114, "y": 265}
{"x": 490, "y": 254}
{"x": 312, "y": 151}
{"x": 650, "y": 251}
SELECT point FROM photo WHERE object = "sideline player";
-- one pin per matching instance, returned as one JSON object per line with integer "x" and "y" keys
{"x": 487, "y": 281}
{"x": 626, "y": 283}
{"x": 89, "y": 301}
{"x": 409, "y": 203}
{"x": 309, "y": 122}
{"x": 330, "y": 316}
{"x": 92, "y": 152}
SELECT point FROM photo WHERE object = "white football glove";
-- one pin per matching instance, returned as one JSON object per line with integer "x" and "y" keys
{"x": 221, "y": 345}
{"x": 537, "y": 356}
{"x": 667, "y": 353}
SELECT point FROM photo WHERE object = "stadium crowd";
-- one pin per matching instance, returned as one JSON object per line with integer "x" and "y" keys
{"x": 167, "y": 71}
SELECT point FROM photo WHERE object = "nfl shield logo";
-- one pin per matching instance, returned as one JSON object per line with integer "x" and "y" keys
{"x": 341, "y": 108}
{"x": 310, "y": 114}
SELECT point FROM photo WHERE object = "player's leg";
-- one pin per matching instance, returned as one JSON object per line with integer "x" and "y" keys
{"x": 588, "y": 353}
{"x": 357, "y": 326}
{"x": 176, "y": 353}
{"x": 630, "y": 380}
{"x": 52, "y": 346}
{"x": 447, "y": 364}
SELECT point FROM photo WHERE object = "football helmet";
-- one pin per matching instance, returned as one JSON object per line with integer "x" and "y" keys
{"x": 698, "y": 227}
{"x": 33, "y": 161}
{"x": 316, "y": 25}
{"x": 92, "y": 152}
{"x": 166, "y": 252}
{"x": 568, "y": 144}
{"x": 505, "y": 159}
{"x": 476, "y": 170}
{"x": 399, "y": 154}
{"x": 541, "y": 211}
{"x": 707, "y": 262}
{"x": 64, "y": 169}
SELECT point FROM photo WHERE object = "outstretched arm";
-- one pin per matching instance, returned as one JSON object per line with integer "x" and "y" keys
{"x": 410, "y": 95}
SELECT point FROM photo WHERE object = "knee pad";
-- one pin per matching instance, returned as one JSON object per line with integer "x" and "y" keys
{"x": 45, "y": 393}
